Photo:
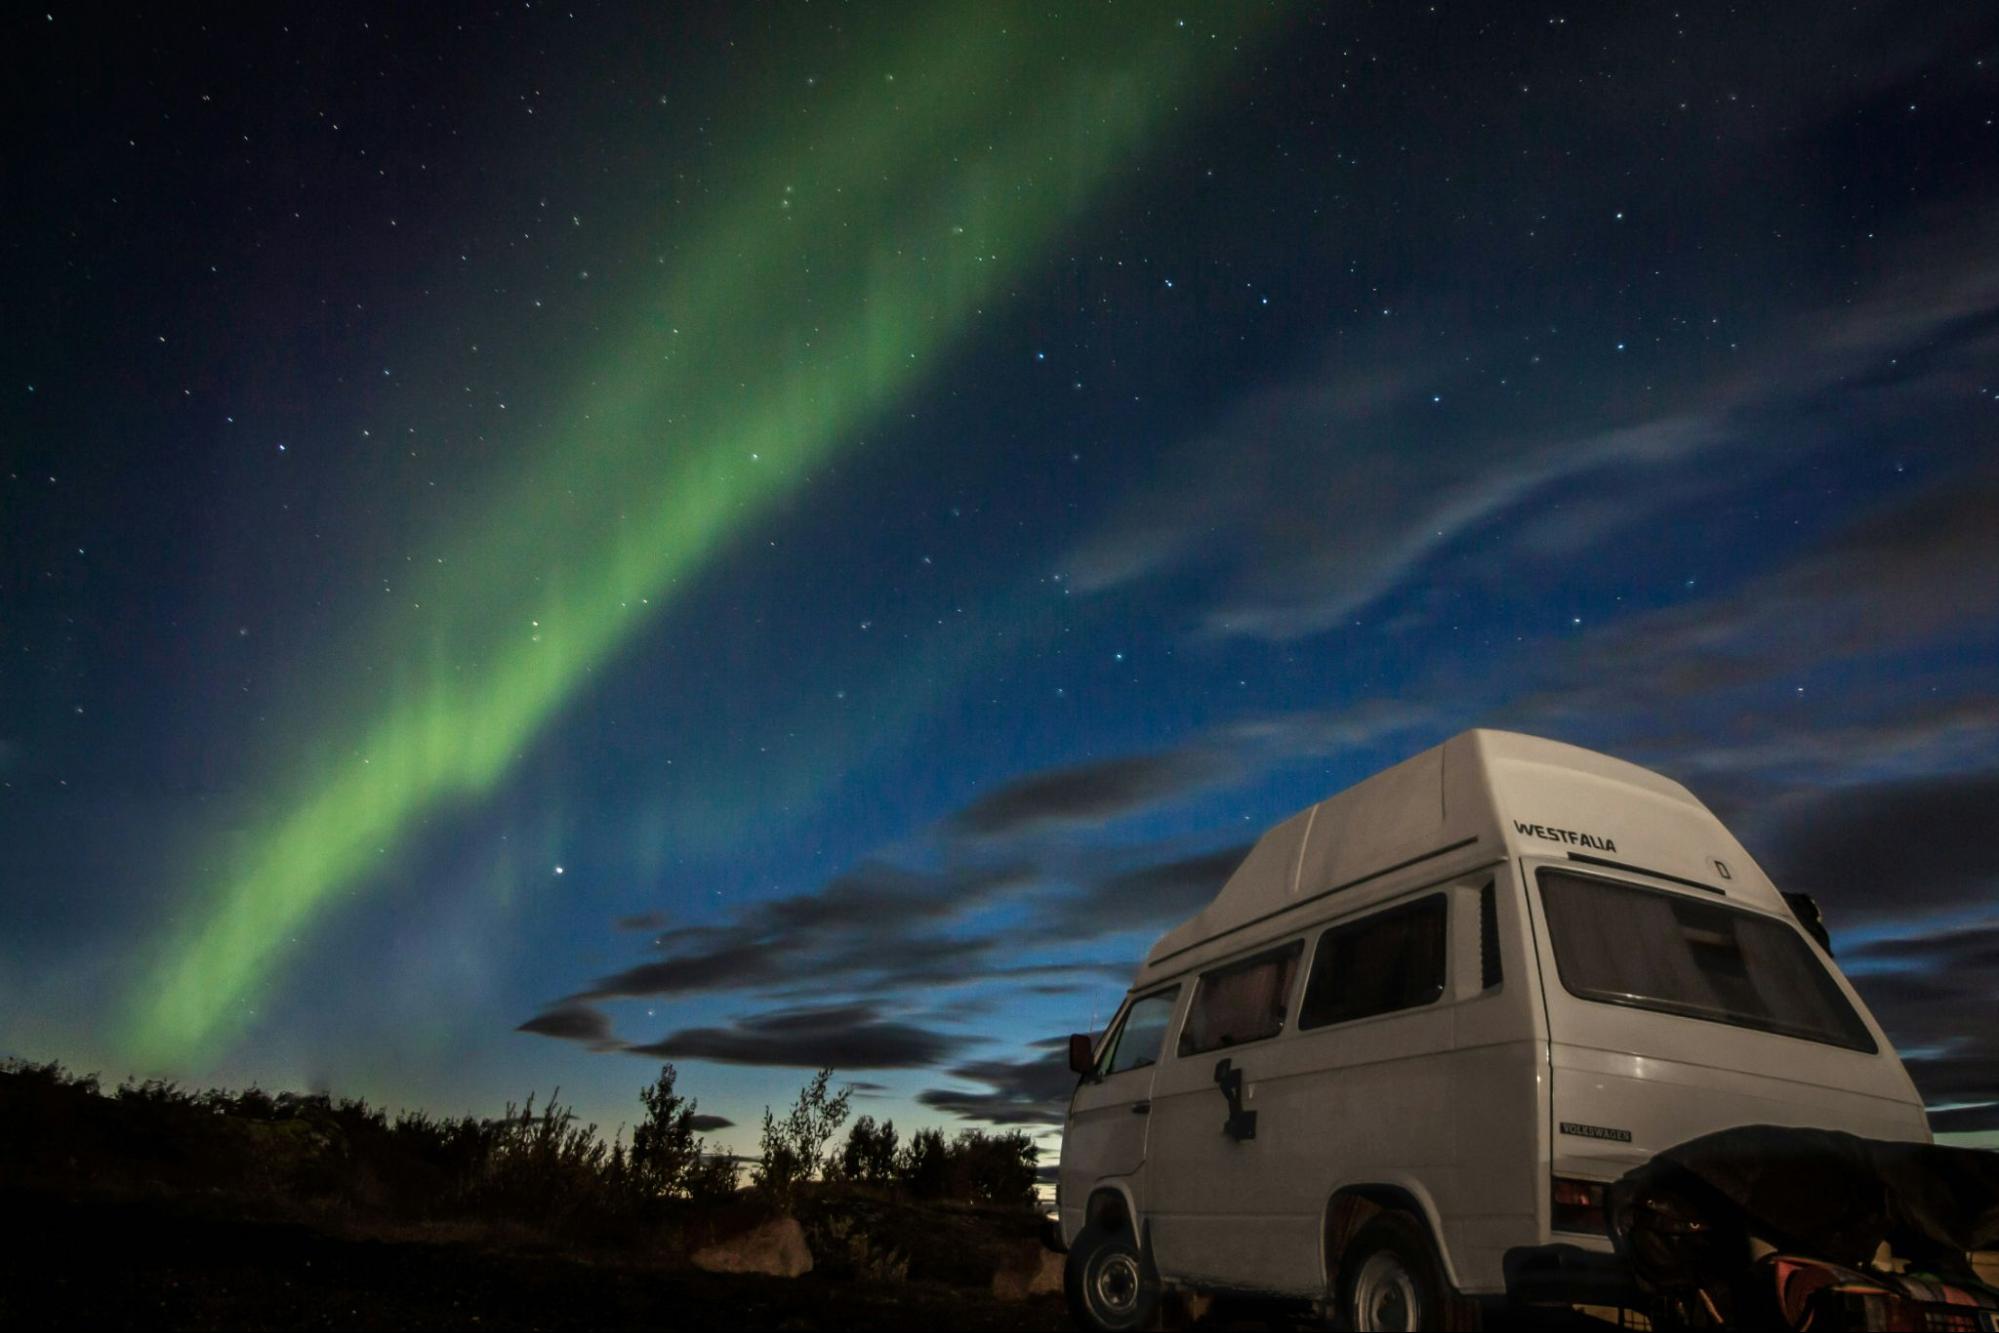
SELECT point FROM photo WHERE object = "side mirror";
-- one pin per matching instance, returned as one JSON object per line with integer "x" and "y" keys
{"x": 1081, "y": 1058}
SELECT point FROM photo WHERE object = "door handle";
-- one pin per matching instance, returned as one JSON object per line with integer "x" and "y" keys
{"x": 1141, "y": 1108}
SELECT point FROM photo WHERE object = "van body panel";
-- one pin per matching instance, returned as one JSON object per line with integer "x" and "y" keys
{"x": 1664, "y": 1078}
{"x": 1469, "y": 1103}
{"x": 1614, "y": 811}
{"x": 1661, "y": 1103}
{"x": 1110, "y": 1136}
{"x": 1261, "y": 884}
{"x": 1071, "y": 1217}
{"x": 1498, "y": 1114}
{"x": 1499, "y": 1098}
{"x": 1307, "y": 913}
{"x": 1110, "y": 1131}
{"x": 1367, "y": 1098}
{"x": 1400, "y": 818}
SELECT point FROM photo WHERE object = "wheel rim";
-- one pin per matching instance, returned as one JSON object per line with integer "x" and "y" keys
{"x": 1384, "y": 1295}
{"x": 1114, "y": 1285}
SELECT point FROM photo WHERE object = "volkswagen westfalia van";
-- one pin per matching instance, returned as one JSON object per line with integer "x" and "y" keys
{"x": 1393, "y": 1065}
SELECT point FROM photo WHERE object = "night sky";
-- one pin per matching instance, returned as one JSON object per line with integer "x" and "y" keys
{"x": 541, "y": 539}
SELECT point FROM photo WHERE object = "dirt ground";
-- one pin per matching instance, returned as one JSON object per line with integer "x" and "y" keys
{"x": 165, "y": 1266}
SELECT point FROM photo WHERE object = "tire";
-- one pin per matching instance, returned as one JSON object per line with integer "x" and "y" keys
{"x": 1391, "y": 1278}
{"x": 1110, "y": 1282}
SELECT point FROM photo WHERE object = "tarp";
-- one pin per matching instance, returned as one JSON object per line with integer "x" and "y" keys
{"x": 1690, "y": 1212}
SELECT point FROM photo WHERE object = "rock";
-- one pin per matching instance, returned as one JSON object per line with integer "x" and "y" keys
{"x": 777, "y": 1248}
{"x": 1028, "y": 1269}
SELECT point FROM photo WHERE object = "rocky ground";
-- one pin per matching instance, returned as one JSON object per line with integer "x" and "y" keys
{"x": 167, "y": 1264}
{"x": 159, "y": 1207}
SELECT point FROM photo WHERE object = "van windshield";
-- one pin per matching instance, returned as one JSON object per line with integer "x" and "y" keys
{"x": 1622, "y": 944}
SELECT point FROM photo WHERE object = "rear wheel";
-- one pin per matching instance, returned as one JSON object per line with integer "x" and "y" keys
{"x": 1392, "y": 1279}
{"x": 1109, "y": 1282}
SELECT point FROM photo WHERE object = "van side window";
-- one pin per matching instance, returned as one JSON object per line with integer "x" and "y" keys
{"x": 1140, "y": 1040}
{"x": 1378, "y": 964}
{"x": 1241, "y": 1002}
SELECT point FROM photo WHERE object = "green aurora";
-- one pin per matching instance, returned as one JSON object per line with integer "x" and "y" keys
{"x": 826, "y": 286}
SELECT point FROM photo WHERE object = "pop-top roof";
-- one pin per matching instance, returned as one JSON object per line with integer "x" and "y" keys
{"x": 1475, "y": 798}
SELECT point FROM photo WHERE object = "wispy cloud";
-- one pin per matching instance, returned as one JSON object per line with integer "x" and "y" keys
{"x": 1319, "y": 496}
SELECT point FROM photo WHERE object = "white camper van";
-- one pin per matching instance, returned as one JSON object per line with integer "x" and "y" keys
{"x": 1393, "y": 1065}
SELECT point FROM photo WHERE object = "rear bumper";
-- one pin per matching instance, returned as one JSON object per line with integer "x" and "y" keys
{"x": 1570, "y": 1274}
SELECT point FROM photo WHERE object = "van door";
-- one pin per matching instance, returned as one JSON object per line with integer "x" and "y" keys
{"x": 1109, "y": 1114}
{"x": 1356, "y": 1088}
{"x": 1216, "y": 1144}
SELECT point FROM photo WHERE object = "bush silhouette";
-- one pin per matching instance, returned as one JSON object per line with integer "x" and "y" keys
{"x": 794, "y": 1148}
{"x": 869, "y": 1155}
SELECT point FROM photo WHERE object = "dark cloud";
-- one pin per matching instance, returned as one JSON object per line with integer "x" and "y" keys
{"x": 852, "y": 1036}
{"x": 1892, "y": 581}
{"x": 1089, "y": 793}
{"x": 1893, "y": 848}
{"x": 869, "y": 922}
{"x": 1902, "y": 1000}
{"x": 1915, "y": 566}
{"x": 1964, "y": 1074}
{"x": 1262, "y": 740}
{"x": 1963, "y": 948}
{"x": 882, "y": 929}
{"x": 643, "y": 922}
{"x": 892, "y": 964}
{"x": 708, "y": 1124}
{"x": 1936, "y": 1003}
{"x": 573, "y": 1022}
{"x": 1927, "y": 734}
{"x": 733, "y": 967}
{"x": 877, "y": 891}
{"x": 1966, "y": 1120}
{"x": 1024, "y": 1092}
{"x": 1148, "y": 897}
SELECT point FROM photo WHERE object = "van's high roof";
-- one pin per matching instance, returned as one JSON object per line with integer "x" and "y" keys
{"x": 1480, "y": 797}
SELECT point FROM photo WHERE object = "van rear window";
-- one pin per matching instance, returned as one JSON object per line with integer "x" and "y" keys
{"x": 1622, "y": 944}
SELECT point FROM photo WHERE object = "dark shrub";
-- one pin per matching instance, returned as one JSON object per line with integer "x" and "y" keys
{"x": 924, "y": 1166}
{"x": 995, "y": 1168}
{"x": 869, "y": 1155}
{"x": 665, "y": 1149}
{"x": 794, "y": 1148}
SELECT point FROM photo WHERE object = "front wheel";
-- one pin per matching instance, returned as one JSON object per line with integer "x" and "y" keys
{"x": 1110, "y": 1285}
{"x": 1392, "y": 1279}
